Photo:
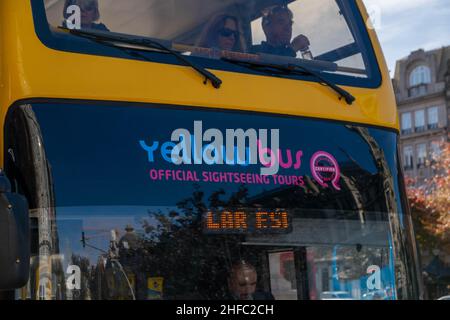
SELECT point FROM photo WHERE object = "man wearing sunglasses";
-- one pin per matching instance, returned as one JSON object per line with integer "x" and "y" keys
{"x": 277, "y": 25}
{"x": 89, "y": 14}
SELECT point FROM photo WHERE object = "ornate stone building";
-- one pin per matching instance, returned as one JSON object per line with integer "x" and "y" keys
{"x": 422, "y": 88}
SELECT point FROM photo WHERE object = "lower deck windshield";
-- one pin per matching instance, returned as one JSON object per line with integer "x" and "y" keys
{"x": 150, "y": 202}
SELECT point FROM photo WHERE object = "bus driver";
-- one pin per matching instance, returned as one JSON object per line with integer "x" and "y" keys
{"x": 242, "y": 283}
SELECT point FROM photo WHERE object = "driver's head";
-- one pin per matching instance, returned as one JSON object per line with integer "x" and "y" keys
{"x": 242, "y": 280}
{"x": 277, "y": 25}
{"x": 88, "y": 8}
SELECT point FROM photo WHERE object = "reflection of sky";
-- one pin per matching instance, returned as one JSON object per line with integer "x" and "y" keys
{"x": 97, "y": 223}
{"x": 319, "y": 21}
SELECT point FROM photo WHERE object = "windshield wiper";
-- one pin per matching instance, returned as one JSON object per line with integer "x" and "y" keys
{"x": 108, "y": 38}
{"x": 294, "y": 69}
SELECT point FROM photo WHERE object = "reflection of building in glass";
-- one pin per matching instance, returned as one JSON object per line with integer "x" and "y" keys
{"x": 46, "y": 278}
{"x": 369, "y": 196}
{"x": 351, "y": 222}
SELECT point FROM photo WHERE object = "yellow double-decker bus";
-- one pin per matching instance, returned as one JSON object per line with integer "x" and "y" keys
{"x": 200, "y": 149}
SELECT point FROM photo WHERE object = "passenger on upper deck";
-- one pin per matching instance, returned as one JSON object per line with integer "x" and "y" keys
{"x": 222, "y": 32}
{"x": 277, "y": 25}
{"x": 89, "y": 14}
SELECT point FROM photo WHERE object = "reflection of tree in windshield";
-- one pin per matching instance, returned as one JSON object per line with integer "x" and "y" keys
{"x": 354, "y": 261}
{"x": 84, "y": 293}
{"x": 195, "y": 265}
{"x": 191, "y": 261}
{"x": 163, "y": 243}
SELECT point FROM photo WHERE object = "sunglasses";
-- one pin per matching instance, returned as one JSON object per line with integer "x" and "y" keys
{"x": 225, "y": 32}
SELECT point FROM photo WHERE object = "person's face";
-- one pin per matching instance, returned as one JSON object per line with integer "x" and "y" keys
{"x": 243, "y": 283}
{"x": 88, "y": 12}
{"x": 228, "y": 35}
{"x": 279, "y": 31}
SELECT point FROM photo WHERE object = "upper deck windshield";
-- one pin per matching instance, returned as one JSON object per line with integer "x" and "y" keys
{"x": 330, "y": 34}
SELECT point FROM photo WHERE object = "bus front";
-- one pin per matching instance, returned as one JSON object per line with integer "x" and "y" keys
{"x": 234, "y": 149}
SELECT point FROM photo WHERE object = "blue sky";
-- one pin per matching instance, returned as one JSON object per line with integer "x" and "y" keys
{"x": 407, "y": 25}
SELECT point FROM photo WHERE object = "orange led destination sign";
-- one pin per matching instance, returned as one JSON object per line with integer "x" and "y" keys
{"x": 247, "y": 222}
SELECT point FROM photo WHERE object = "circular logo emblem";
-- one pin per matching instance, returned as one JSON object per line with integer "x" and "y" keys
{"x": 325, "y": 169}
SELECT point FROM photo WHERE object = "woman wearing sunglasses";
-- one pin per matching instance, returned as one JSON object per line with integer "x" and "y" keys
{"x": 223, "y": 32}
{"x": 89, "y": 14}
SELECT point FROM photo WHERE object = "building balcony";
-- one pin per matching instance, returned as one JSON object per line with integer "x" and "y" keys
{"x": 407, "y": 131}
{"x": 434, "y": 130}
{"x": 417, "y": 93}
{"x": 421, "y": 165}
{"x": 420, "y": 129}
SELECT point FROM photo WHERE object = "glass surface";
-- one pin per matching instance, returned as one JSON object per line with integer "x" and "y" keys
{"x": 321, "y": 31}
{"x": 433, "y": 116}
{"x": 419, "y": 119}
{"x": 114, "y": 220}
{"x": 421, "y": 153}
{"x": 406, "y": 119}
{"x": 420, "y": 75}
{"x": 408, "y": 155}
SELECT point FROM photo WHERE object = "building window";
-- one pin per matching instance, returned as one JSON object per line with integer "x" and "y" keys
{"x": 406, "y": 123}
{"x": 419, "y": 79}
{"x": 435, "y": 150}
{"x": 421, "y": 155}
{"x": 408, "y": 156}
{"x": 420, "y": 75}
{"x": 433, "y": 118}
{"x": 419, "y": 120}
